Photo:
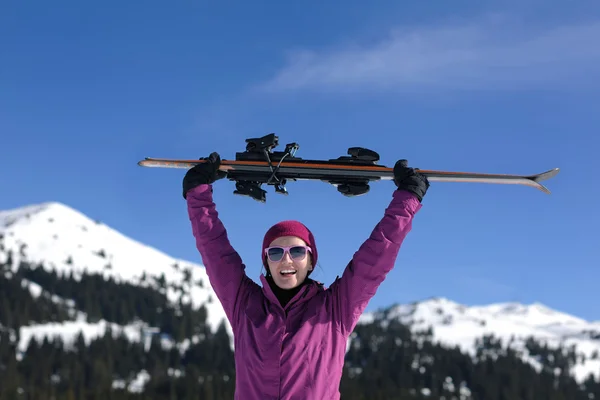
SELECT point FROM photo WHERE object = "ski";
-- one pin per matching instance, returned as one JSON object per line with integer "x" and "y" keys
{"x": 350, "y": 174}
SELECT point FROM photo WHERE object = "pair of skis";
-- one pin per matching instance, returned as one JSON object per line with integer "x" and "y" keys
{"x": 259, "y": 164}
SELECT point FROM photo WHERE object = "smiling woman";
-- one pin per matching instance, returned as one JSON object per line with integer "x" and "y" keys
{"x": 291, "y": 333}
{"x": 290, "y": 257}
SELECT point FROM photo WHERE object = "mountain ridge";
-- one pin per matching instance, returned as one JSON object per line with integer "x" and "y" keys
{"x": 67, "y": 241}
{"x": 37, "y": 232}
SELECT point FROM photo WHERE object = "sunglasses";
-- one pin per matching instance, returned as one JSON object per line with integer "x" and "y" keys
{"x": 296, "y": 252}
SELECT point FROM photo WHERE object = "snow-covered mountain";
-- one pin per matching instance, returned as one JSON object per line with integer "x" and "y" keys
{"x": 455, "y": 324}
{"x": 68, "y": 241}
{"x": 62, "y": 238}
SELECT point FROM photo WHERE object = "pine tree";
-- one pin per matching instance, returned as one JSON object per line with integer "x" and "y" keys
{"x": 384, "y": 360}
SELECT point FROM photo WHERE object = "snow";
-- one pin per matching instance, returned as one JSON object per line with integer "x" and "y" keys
{"x": 68, "y": 331}
{"x": 63, "y": 238}
{"x": 136, "y": 385}
{"x": 455, "y": 324}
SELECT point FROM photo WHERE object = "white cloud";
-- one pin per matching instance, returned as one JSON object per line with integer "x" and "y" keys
{"x": 489, "y": 54}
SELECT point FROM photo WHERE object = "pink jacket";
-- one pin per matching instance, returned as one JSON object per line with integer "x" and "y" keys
{"x": 297, "y": 352}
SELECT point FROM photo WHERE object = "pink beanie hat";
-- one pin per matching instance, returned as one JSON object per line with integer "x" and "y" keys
{"x": 289, "y": 228}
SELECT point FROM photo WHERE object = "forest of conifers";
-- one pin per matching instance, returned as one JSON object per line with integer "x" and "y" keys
{"x": 403, "y": 366}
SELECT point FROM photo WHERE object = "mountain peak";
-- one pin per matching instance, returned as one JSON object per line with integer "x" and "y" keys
{"x": 455, "y": 324}
{"x": 36, "y": 213}
{"x": 61, "y": 238}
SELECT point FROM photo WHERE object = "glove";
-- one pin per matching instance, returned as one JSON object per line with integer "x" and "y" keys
{"x": 410, "y": 179}
{"x": 204, "y": 173}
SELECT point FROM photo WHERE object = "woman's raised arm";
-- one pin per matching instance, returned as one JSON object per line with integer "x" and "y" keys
{"x": 224, "y": 266}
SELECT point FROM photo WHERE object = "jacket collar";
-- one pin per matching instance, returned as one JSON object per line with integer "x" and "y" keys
{"x": 309, "y": 289}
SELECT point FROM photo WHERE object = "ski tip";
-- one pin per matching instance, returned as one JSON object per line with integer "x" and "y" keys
{"x": 545, "y": 175}
{"x": 151, "y": 162}
{"x": 542, "y": 188}
{"x": 537, "y": 178}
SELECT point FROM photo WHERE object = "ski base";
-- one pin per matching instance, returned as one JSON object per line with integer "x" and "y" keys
{"x": 351, "y": 174}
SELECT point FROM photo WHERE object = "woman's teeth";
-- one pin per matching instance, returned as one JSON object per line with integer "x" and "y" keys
{"x": 287, "y": 272}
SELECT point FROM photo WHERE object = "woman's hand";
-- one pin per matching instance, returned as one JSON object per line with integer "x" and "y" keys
{"x": 410, "y": 179}
{"x": 204, "y": 173}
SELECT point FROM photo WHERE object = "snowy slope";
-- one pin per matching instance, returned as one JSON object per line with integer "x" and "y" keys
{"x": 67, "y": 240}
{"x": 455, "y": 324}
{"x": 63, "y": 238}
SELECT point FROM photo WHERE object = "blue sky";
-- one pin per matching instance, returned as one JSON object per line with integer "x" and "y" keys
{"x": 89, "y": 89}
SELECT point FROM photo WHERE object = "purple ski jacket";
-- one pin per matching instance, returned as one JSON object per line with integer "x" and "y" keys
{"x": 296, "y": 352}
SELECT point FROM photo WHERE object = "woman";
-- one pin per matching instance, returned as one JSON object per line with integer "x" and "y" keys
{"x": 290, "y": 334}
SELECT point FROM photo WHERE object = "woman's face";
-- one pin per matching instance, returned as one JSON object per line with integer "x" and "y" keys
{"x": 291, "y": 269}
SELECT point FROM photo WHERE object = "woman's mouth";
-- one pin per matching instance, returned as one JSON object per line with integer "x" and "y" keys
{"x": 287, "y": 272}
